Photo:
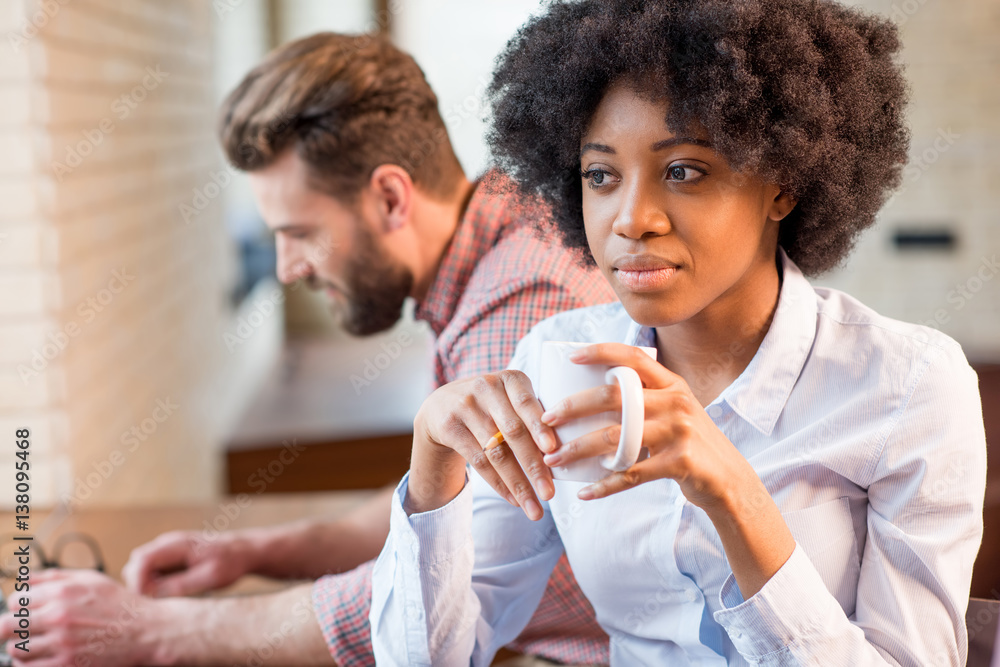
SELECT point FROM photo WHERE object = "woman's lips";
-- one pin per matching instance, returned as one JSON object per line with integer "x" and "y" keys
{"x": 645, "y": 280}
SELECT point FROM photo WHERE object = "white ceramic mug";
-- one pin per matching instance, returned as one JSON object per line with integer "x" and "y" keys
{"x": 561, "y": 378}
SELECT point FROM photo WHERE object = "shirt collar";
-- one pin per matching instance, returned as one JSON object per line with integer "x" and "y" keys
{"x": 759, "y": 394}
{"x": 761, "y": 391}
{"x": 488, "y": 212}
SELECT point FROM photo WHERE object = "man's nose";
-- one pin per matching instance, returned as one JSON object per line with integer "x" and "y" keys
{"x": 291, "y": 265}
{"x": 641, "y": 214}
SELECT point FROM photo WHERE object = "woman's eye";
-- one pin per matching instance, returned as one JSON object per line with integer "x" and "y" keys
{"x": 595, "y": 178}
{"x": 683, "y": 174}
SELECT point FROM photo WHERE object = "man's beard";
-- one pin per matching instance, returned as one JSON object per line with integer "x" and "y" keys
{"x": 377, "y": 288}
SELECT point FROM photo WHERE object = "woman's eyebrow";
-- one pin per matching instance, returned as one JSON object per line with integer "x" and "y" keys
{"x": 677, "y": 141}
{"x": 658, "y": 146}
{"x": 600, "y": 148}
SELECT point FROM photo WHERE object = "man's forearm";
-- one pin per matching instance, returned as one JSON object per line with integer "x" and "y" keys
{"x": 275, "y": 629}
{"x": 310, "y": 549}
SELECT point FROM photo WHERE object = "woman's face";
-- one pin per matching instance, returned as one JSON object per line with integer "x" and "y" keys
{"x": 674, "y": 229}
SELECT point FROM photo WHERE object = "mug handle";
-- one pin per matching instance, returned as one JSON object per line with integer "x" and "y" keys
{"x": 633, "y": 418}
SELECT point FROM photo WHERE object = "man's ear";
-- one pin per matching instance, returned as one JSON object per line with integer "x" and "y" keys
{"x": 393, "y": 189}
{"x": 781, "y": 206}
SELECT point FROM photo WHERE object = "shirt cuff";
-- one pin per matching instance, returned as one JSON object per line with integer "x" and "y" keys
{"x": 435, "y": 535}
{"x": 342, "y": 603}
{"x": 793, "y": 605}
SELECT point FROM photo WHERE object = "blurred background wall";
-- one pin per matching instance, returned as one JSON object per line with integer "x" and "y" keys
{"x": 111, "y": 299}
{"x": 932, "y": 258}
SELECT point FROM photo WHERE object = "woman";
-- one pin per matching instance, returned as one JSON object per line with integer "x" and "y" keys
{"x": 814, "y": 488}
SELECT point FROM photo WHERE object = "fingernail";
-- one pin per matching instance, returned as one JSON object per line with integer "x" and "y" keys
{"x": 578, "y": 355}
{"x": 548, "y": 417}
{"x": 532, "y": 509}
{"x": 552, "y": 459}
{"x": 586, "y": 493}
{"x": 549, "y": 443}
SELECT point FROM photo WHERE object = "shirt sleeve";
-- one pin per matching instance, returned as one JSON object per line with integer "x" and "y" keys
{"x": 925, "y": 496}
{"x": 341, "y": 603}
{"x": 447, "y": 590}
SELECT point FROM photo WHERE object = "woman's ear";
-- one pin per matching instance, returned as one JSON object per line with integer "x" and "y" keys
{"x": 393, "y": 189}
{"x": 781, "y": 206}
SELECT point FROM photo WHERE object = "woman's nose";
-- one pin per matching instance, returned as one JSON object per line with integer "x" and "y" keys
{"x": 641, "y": 214}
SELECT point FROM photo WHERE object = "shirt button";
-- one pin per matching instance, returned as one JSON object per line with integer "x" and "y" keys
{"x": 714, "y": 411}
{"x": 413, "y": 612}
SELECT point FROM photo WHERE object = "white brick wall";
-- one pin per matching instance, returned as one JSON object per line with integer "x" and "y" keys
{"x": 98, "y": 270}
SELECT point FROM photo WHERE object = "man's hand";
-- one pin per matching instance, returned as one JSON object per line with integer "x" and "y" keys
{"x": 81, "y": 617}
{"x": 188, "y": 563}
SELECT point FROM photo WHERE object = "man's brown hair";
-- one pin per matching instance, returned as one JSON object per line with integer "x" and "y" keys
{"x": 345, "y": 104}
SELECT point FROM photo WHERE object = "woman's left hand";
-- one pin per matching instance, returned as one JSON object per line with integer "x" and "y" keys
{"x": 684, "y": 445}
{"x": 683, "y": 442}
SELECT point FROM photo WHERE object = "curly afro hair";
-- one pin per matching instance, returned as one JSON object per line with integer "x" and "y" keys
{"x": 805, "y": 93}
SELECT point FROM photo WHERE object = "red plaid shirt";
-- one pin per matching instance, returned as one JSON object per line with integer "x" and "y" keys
{"x": 498, "y": 278}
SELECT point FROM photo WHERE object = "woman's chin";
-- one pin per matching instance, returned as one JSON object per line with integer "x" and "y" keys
{"x": 651, "y": 310}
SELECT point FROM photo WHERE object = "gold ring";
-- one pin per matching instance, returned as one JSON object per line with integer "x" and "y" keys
{"x": 495, "y": 441}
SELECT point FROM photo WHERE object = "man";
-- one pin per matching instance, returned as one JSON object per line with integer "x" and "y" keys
{"x": 352, "y": 168}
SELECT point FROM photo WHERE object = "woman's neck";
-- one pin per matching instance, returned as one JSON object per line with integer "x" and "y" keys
{"x": 711, "y": 349}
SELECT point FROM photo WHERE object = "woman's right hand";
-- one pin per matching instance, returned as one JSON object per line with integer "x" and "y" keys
{"x": 456, "y": 424}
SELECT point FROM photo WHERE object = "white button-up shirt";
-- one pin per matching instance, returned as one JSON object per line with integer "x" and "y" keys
{"x": 868, "y": 434}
